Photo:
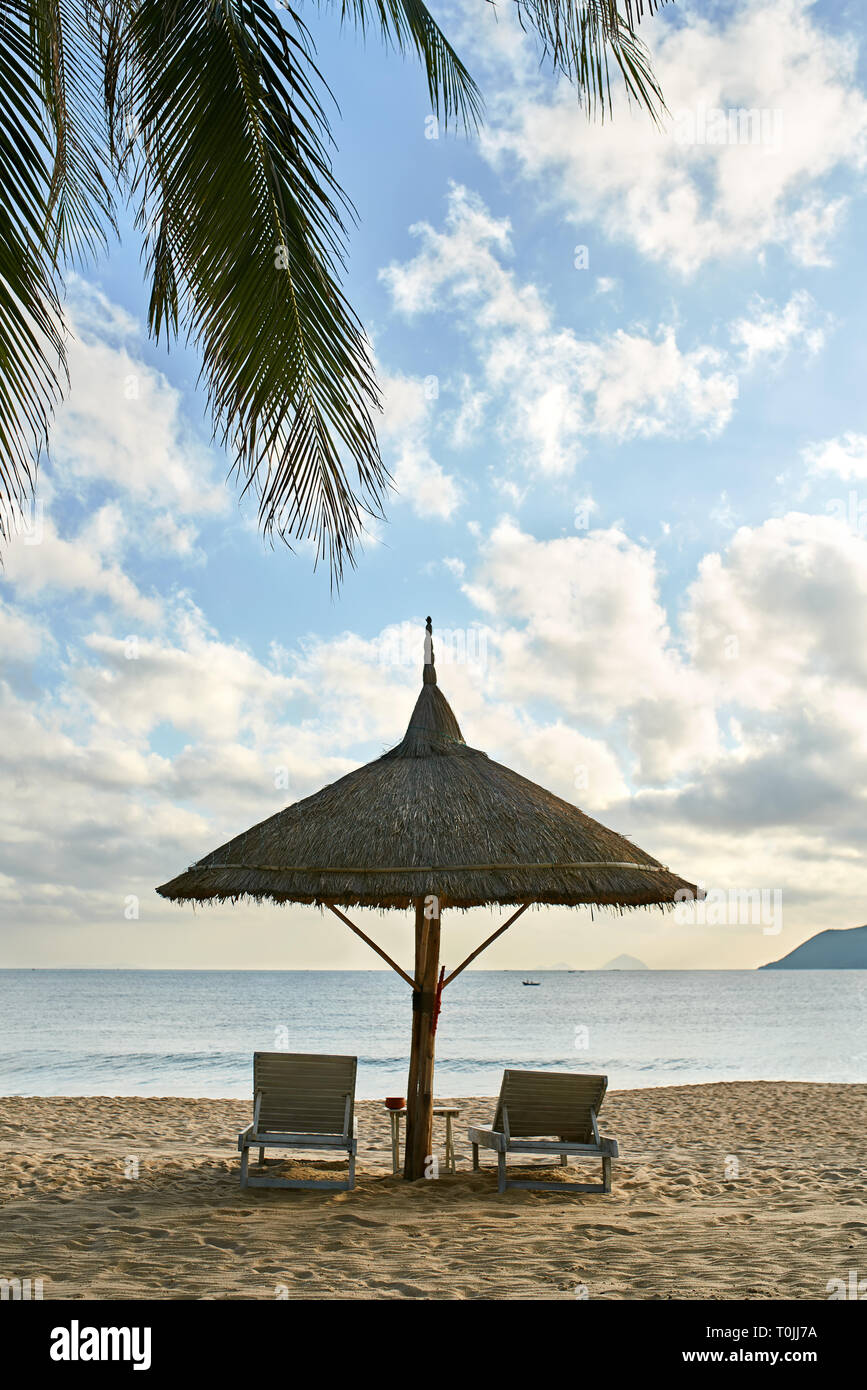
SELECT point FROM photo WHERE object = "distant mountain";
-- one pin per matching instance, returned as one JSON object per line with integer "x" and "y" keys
{"x": 625, "y": 963}
{"x": 829, "y": 950}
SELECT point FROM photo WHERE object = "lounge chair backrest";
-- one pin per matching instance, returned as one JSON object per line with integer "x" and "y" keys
{"x": 542, "y": 1103}
{"x": 304, "y": 1093}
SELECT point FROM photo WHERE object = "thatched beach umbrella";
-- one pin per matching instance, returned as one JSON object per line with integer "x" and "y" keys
{"x": 432, "y": 823}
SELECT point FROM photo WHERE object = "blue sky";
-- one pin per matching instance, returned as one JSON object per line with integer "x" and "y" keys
{"x": 624, "y": 410}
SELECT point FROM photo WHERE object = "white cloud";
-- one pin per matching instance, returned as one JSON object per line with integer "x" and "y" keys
{"x": 733, "y": 761}
{"x": 405, "y": 432}
{"x": 123, "y": 813}
{"x": 578, "y": 621}
{"x": 123, "y": 422}
{"x": 551, "y": 387}
{"x": 137, "y": 683}
{"x": 782, "y": 616}
{"x": 470, "y": 413}
{"x": 770, "y": 331}
{"x": 86, "y": 564}
{"x": 684, "y": 204}
{"x": 844, "y": 457}
{"x": 21, "y": 637}
{"x": 120, "y": 448}
{"x": 648, "y": 386}
{"x": 755, "y": 723}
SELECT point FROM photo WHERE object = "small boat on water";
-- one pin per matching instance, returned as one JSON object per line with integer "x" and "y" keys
{"x": 531, "y": 982}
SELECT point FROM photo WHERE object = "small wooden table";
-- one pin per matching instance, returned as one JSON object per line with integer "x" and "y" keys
{"x": 449, "y": 1111}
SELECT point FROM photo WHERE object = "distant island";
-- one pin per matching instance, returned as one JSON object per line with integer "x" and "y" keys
{"x": 625, "y": 963}
{"x": 829, "y": 950}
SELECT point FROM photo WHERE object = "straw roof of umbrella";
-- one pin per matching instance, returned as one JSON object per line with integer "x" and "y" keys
{"x": 432, "y": 815}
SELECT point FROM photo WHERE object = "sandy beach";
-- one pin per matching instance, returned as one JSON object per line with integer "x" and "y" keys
{"x": 678, "y": 1225}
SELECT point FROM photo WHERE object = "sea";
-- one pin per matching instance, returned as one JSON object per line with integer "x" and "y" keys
{"x": 193, "y": 1033}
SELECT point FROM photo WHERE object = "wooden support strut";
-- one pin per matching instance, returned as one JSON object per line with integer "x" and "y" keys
{"x": 487, "y": 942}
{"x": 372, "y": 944}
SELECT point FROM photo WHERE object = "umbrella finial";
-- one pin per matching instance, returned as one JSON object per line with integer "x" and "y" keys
{"x": 429, "y": 674}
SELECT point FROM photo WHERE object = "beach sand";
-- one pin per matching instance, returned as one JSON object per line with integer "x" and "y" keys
{"x": 677, "y": 1225}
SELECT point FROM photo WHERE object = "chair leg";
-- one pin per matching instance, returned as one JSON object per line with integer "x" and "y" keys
{"x": 245, "y": 1153}
{"x": 606, "y": 1174}
{"x": 501, "y": 1171}
{"x": 351, "y": 1171}
{"x": 475, "y": 1158}
{"x": 564, "y": 1160}
{"x": 261, "y": 1155}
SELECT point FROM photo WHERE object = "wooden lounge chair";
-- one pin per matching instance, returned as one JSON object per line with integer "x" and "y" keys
{"x": 301, "y": 1101}
{"x": 545, "y": 1103}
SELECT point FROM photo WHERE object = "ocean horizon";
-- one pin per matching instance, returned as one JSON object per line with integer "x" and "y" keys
{"x": 127, "y": 1031}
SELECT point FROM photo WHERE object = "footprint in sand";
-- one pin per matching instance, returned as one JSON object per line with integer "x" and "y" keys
{"x": 603, "y": 1232}
{"x": 405, "y": 1290}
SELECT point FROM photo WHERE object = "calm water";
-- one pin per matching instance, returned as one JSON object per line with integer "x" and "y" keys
{"x": 131, "y": 1032}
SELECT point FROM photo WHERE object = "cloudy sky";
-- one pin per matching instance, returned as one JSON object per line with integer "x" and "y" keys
{"x": 625, "y": 414}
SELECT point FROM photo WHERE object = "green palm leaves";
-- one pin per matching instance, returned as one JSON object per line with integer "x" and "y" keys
{"x": 243, "y": 225}
{"x": 583, "y": 38}
{"x": 210, "y": 116}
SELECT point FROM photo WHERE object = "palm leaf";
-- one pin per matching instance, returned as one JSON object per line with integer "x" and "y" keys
{"x": 212, "y": 116}
{"x": 244, "y": 227}
{"x": 80, "y": 202}
{"x": 32, "y": 357}
{"x": 583, "y": 38}
{"x": 409, "y": 24}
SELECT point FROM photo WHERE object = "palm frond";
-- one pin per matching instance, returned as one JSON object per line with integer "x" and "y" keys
{"x": 80, "y": 204}
{"x": 408, "y": 24}
{"x": 244, "y": 226}
{"x": 31, "y": 333}
{"x": 583, "y": 39}
{"x": 212, "y": 115}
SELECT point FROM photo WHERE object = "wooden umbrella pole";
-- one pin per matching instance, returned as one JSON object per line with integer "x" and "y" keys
{"x": 415, "y": 1045}
{"x": 419, "y": 1091}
